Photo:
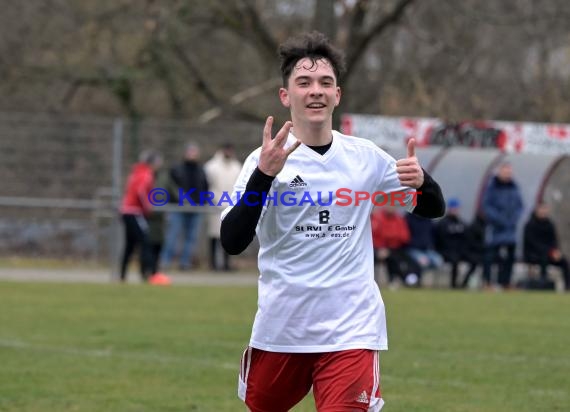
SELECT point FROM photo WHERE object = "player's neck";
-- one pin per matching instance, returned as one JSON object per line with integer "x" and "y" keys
{"x": 311, "y": 135}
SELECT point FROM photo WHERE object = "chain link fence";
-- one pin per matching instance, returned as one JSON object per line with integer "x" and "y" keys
{"x": 63, "y": 176}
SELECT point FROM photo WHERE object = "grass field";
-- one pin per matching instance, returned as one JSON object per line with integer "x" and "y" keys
{"x": 113, "y": 348}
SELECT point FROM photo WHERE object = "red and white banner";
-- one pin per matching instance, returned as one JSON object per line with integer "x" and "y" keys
{"x": 388, "y": 131}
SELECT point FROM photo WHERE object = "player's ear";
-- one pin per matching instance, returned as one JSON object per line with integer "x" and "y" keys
{"x": 284, "y": 97}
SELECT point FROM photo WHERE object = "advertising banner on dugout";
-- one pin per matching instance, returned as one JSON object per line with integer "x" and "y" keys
{"x": 527, "y": 137}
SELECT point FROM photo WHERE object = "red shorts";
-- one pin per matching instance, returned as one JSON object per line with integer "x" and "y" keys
{"x": 344, "y": 381}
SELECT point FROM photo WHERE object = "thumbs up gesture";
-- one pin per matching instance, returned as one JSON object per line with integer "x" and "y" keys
{"x": 409, "y": 170}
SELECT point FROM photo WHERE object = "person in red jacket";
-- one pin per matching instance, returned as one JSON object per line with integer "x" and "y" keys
{"x": 135, "y": 209}
{"x": 390, "y": 236}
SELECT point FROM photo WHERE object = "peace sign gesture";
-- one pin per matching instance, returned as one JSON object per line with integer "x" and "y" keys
{"x": 273, "y": 154}
{"x": 409, "y": 171}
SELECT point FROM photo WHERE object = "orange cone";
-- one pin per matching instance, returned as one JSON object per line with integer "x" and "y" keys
{"x": 159, "y": 279}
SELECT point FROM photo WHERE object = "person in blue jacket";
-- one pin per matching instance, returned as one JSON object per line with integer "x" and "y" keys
{"x": 502, "y": 208}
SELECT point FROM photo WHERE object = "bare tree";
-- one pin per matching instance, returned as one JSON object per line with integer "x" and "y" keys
{"x": 203, "y": 60}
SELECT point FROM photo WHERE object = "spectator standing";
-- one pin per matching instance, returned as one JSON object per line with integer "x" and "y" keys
{"x": 189, "y": 176}
{"x": 222, "y": 171}
{"x": 541, "y": 243}
{"x": 502, "y": 209}
{"x": 135, "y": 209}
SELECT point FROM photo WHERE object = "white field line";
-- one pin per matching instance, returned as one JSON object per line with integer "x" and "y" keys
{"x": 19, "y": 344}
{"x": 162, "y": 358}
{"x": 108, "y": 353}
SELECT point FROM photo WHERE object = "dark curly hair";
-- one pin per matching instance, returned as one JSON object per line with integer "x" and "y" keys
{"x": 313, "y": 45}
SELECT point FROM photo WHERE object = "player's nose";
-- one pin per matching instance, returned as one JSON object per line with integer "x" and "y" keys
{"x": 316, "y": 90}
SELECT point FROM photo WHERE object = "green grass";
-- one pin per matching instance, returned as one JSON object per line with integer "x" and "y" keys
{"x": 77, "y": 347}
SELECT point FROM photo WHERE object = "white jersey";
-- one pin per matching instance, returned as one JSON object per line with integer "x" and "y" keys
{"x": 316, "y": 286}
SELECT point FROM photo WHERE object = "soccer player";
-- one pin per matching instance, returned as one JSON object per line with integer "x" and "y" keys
{"x": 320, "y": 320}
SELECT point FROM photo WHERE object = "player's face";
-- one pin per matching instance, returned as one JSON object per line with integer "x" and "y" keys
{"x": 312, "y": 92}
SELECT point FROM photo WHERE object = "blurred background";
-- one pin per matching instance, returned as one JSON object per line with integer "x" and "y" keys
{"x": 88, "y": 84}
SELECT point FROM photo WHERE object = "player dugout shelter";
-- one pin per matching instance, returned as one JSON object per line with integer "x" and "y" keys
{"x": 464, "y": 173}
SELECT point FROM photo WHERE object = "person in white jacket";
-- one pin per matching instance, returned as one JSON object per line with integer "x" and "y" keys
{"x": 222, "y": 171}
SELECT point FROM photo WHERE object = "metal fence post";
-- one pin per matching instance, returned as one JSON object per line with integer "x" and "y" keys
{"x": 115, "y": 242}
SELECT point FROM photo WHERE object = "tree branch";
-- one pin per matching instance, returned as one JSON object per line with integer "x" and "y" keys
{"x": 164, "y": 74}
{"x": 238, "y": 98}
{"x": 359, "y": 41}
{"x": 259, "y": 31}
{"x": 219, "y": 105}
{"x": 242, "y": 18}
{"x": 200, "y": 81}
{"x": 75, "y": 85}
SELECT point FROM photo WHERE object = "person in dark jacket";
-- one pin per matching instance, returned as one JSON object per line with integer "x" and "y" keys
{"x": 475, "y": 245}
{"x": 451, "y": 237}
{"x": 502, "y": 208}
{"x": 187, "y": 176}
{"x": 422, "y": 244}
{"x": 541, "y": 243}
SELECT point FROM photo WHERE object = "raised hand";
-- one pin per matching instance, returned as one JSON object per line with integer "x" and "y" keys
{"x": 273, "y": 154}
{"x": 409, "y": 170}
